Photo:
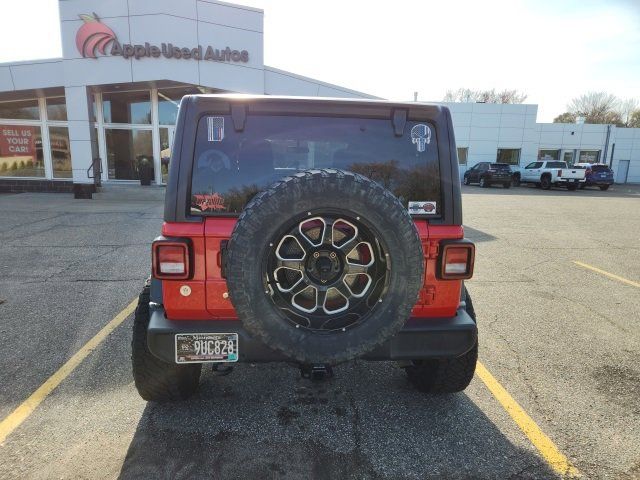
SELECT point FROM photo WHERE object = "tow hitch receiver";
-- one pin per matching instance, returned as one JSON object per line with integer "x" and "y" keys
{"x": 316, "y": 371}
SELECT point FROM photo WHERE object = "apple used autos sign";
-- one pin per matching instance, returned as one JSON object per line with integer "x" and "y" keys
{"x": 94, "y": 36}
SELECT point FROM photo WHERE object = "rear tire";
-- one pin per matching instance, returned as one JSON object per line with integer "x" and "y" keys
{"x": 545, "y": 182}
{"x": 582, "y": 186}
{"x": 572, "y": 188}
{"x": 506, "y": 185}
{"x": 156, "y": 380}
{"x": 446, "y": 375}
{"x": 604, "y": 187}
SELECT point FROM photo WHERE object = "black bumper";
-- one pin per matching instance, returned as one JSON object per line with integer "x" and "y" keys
{"x": 419, "y": 338}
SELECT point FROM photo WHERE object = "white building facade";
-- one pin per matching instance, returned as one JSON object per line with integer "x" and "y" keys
{"x": 108, "y": 106}
{"x": 510, "y": 133}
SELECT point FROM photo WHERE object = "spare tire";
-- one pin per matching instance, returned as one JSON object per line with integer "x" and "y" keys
{"x": 324, "y": 266}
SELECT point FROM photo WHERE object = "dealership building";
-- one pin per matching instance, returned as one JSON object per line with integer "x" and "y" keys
{"x": 108, "y": 107}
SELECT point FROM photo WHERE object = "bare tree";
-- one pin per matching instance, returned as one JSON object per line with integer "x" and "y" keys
{"x": 626, "y": 109}
{"x": 596, "y": 107}
{"x": 634, "y": 120}
{"x": 467, "y": 95}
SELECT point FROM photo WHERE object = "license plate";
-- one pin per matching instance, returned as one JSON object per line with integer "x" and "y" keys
{"x": 206, "y": 347}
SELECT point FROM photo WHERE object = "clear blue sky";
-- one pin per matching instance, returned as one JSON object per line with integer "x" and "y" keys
{"x": 552, "y": 50}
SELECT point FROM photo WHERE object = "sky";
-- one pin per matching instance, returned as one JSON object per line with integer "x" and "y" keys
{"x": 552, "y": 50}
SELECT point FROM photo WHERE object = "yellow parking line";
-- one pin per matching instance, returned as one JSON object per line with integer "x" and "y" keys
{"x": 26, "y": 408}
{"x": 549, "y": 451}
{"x": 607, "y": 274}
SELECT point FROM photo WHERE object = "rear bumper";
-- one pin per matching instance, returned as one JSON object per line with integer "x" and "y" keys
{"x": 600, "y": 181}
{"x": 499, "y": 178}
{"x": 569, "y": 180}
{"x": 420, "y": 338}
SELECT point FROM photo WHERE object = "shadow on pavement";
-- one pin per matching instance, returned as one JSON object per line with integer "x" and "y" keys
{"x": 266, "y": 422}
{"x": 476, "y": 235}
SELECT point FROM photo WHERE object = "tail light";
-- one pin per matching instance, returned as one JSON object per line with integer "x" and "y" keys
{"x": 171, "y": 259}
{"x": 559, "y": 173}
{"x": 456, "y": 260}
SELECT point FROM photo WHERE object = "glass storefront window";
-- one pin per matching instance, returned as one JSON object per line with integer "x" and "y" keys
{"x": 128, "y": 152}
{"x": 57, "y": 109}
{"x": 508, "y": 155}
{"x": 169, "y": 101}
{"x": 127, "y": 107}
{"x": 60, "y": 152}
{"x": 20, "y": 110}
{"x": 166, "y": 139}
{"x": 589, "y": 156}
{"x": 462, "y": 156}
{"x": 548, "y": 154}
{"x": 21, "y": 151}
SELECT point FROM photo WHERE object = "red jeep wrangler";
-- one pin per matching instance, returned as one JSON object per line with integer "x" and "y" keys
{"x": 312, "y": 231}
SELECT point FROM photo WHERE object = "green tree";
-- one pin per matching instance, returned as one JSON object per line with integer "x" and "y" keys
{"x": 566, "y": 117}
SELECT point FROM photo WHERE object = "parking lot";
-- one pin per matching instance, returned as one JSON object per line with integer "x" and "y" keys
{"x": 560, "y": 337}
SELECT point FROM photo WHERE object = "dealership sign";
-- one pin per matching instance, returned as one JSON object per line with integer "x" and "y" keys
{"x": 94, "y": 36}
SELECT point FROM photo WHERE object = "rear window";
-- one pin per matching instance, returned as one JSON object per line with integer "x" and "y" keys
{"x": 501, "y": 166}
{"x": 556, "y": 165}
{"x": 230, "y": 167}
{"x": 600, "y": 168}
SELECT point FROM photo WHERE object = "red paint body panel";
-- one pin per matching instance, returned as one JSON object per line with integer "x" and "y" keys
{"x": 438, "y": 298}
{"x": 216, "y": 230}
{"x": 191, "y": 307}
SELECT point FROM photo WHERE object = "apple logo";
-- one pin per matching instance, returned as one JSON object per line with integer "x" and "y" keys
{"x": 93, "y": 34}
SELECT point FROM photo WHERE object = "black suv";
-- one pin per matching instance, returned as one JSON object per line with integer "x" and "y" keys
{"x": 485, "y": 174}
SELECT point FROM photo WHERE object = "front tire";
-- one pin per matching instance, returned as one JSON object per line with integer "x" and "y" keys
{"x": 465, "y": 180}
{"x": 445, "y": 375}
{"x": 156, "y": 380}
{"x": 515, "y": 180}
{"x": 484, "y": 183}
{"x": 604, "y": 187}
{"x": 506, "y": 185}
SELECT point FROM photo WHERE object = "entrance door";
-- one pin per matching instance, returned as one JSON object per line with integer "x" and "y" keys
{"x": 129, "y": 153}
{"x": 568, "y": 158}
{"x": 166, "y": 143}
{"x": 623, "y": 171}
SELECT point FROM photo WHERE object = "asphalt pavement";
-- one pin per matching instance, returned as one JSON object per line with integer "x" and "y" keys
{"x": 560, "y": 338}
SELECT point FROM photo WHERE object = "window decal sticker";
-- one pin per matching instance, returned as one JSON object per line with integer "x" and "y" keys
{"x": 213, "y": 201}
{"x": 421, "y": 136}
{"x": 422, "y": 208}
{"x": 215, "y": 129}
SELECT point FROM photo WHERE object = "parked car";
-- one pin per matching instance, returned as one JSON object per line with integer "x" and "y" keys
{"x": 314, "y": 264}
{"x": 596, "y": 174}
{"x": 547, "y": 173}
{"x": 486, "y": 174}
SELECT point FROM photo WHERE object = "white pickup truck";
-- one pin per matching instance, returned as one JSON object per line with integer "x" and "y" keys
{"x": 546, "y": 173}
